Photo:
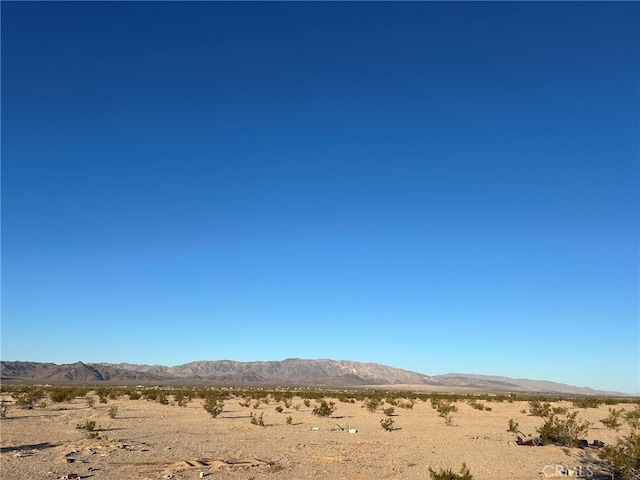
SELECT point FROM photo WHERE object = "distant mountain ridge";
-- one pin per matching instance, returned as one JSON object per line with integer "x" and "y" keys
{"x": 289, "y": 372}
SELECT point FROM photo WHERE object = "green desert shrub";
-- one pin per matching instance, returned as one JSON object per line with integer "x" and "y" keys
{"x": 29, "y": 398}
{"x": 563, "y": 431}
{"x": 255, "y": 420}
{"x": 182, "y": 397}
{"x": 588, "y": 402}
{"x": 513, "y": 426}
{"x": 112, "y": 412}
{"x": 407, "y": 404}
{"x": 448, "y": 474}
{"x": 538, "y": 408}
{"x": 387, "y": 424}
{"x": 89, "y": 427}
{"x": 213, "y": 406}
{"x": 623, "y": 456}
{"x": 613, "y": 420}
{"x": 325, "y": 409}
{"x": 61, "y": 394}
{"x": 478, "y": 406}
{"x": 389, "y": 411}
{"x": 134, "y": 395}
{"x": 372, "y": 404}
{"x": 445, "y": 408}
{"x": 4, "y": 408}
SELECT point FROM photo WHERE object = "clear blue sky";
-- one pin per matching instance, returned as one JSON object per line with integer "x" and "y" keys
{"x": 440, "y": 187}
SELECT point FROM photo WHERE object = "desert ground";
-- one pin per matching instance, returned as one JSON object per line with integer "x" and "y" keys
{"x": 149, "y": 440}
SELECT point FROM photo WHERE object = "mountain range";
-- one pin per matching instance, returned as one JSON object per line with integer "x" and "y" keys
{"x": 289, "y": 372}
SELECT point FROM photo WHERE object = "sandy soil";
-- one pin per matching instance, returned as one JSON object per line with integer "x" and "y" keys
{"x": 147, "y": 440}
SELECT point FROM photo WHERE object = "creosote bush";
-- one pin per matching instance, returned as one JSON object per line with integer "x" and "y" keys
{"x": 213, "y": 406}
{"x": 448, "y": 474}
{"x": 445, "y": 408}
{"x": 588, "y": 402}
{"x": 112, "y": 412}
{"x": 623, "y": 456}
{"x": 387, "y": 424}
{"x": 478, "y": 406}
{"x": 29, "y": 398}
{"x": 513, "y": 426}
{"x": 372, "y": 404}
{"x": 325, "y": 409}
{"x": 90, "y": 427}
{"x": 255, "y": 420}
{"x": 613, "y": 420}
{"x": 538, "y": 408}
{"x": 61, "y": 394}
{"x": 565, "y": 432}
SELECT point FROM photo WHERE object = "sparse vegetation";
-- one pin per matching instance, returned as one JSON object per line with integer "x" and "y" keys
{"x": 182, "y": 397}
{"x": 623, "y": 456}
{"x": 213, "y": 406}
{"x": 387, "y": 424}
{"x": 113, "y": 411}
{"x": 538, "y": 408}
{"x": 560, "y": 410}
{"x": 29, "y": 398}
{"x": 588, "y": 402}
{"x": 255, "y": 420}
{"x": 325, "y": 409}
{"x": 513, "y": 426}
{"x": 565, "y": 432}
{"x": 89, "y": 427}
{"x": 613, "y": 420}
{"x": 473, "y": 403}
{"x": 61, "y": 394}
{"x": 289, "y": 420}
{"x": 4, "y": 408}
{"x": 406, "y": 404}
{"x": 448, "y": 474}
{"x": 372, "y": 404}
{"x": 445, "y": 408}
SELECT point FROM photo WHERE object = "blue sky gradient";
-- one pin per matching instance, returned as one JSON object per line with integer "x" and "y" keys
{"x": 440, "y": 187}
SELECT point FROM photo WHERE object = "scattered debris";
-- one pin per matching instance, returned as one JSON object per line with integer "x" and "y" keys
{"x": 206, "y": 466}
{"x": 314, "y": 429}
{"x": 532, "y": 442}
{"x": 597, "y": 444}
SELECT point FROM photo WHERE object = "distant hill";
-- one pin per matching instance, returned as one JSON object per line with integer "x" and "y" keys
{"x": 289, "y": 372}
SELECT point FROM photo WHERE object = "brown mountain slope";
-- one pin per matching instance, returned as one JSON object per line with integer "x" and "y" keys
{"x": 292, "y": 371}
